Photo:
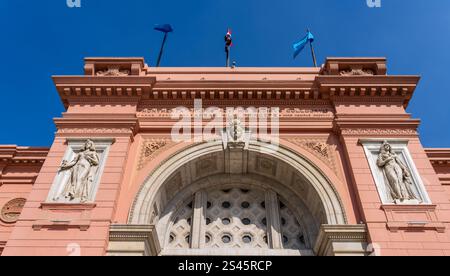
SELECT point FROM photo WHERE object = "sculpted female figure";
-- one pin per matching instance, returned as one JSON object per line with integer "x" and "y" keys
{"x": 82, "y": 172}
{"x": 398, "y": 175}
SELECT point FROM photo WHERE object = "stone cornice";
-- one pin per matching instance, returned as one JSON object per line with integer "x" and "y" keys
{"x": 233, "y": 85}
{"x": 99, "y": 118}
{"x": 21, "y": 156}
{"x": 14, "y": 155}
{"x": 353, "y": 121}
{"x": 340, "y": 80}
{"x": 73, "y": 87}
{"x": 97, "y": 123}
{"x": 368, "y": 88}
{"x": 439, "y": 157}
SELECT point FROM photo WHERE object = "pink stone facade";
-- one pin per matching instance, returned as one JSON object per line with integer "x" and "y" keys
{"x": 325, "y": 113}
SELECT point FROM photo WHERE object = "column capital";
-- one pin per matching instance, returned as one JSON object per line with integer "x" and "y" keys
{"x": 342, "y": 240}
{"x": 133, "y": 240}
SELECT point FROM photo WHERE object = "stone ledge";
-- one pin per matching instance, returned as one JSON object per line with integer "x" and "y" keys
{"x": 416, "y": 218}
{"x": 68, "y": 206}
{"x": 83, "y": 225}
{"x": 2, "y": 246}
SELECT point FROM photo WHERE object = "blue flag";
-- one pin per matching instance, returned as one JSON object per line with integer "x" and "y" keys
{"x": 299, "y": 46}
{"x": 165, "y": 28}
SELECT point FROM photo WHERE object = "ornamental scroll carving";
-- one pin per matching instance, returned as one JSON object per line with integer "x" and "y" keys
{"x": 151, "y": 148}
{"x": 357, "y": 72}
{"x": 320, "y": 148}
{"x": 113, "y": 71}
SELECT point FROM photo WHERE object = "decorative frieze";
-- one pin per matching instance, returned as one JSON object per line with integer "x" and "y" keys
{"x": 285, "y": 113}
{"x": 95, "y": 130}
{"x": 378, "y": 132}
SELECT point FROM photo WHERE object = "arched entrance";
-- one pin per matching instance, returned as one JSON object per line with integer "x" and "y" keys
{"x": 206, "y": 200}
{"x": 236, "y": 214}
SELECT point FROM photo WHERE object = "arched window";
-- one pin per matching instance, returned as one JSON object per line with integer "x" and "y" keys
{"x": 238, "y": 218}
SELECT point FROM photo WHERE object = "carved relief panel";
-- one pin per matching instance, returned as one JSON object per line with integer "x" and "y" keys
{"x": 394, "y": 172}
{"x": 78, "y": 178}
{"x": 10, "y": 212}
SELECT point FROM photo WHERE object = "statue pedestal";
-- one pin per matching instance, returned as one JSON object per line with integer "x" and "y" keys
{"x": 407, "y": 202}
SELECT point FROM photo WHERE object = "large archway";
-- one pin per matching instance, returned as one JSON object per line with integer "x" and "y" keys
{"x": 236, "y": 214}
{"x": 205, "y": 200}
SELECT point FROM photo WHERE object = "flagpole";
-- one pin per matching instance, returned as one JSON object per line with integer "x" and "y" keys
{"x": 312, "y": 50}
{"x": 228, "y": 56}
{"x": 313, "y": 54}
{"x": 162, "y": 50}
{"x": 228, "y": 44}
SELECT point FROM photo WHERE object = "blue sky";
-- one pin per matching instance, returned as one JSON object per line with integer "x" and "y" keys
{"x": 41, "y": 38}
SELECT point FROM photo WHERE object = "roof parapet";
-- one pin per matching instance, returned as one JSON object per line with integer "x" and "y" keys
{"x": 355, "y": 66}
{"x": 133, "y": 66}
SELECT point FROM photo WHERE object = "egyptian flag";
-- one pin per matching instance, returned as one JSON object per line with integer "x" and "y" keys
{"x": 228, "y": 41}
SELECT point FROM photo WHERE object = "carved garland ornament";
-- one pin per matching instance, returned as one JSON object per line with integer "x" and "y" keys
{"x": 150, "y": 150}
{"x": 321, "y": 149}
{"x": 357, "y": 72}
{"x": 113, "y": 71}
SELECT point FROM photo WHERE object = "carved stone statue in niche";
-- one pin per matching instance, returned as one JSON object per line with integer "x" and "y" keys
{"x": 400, "y": 184}
{"x": 82, "y": 171}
